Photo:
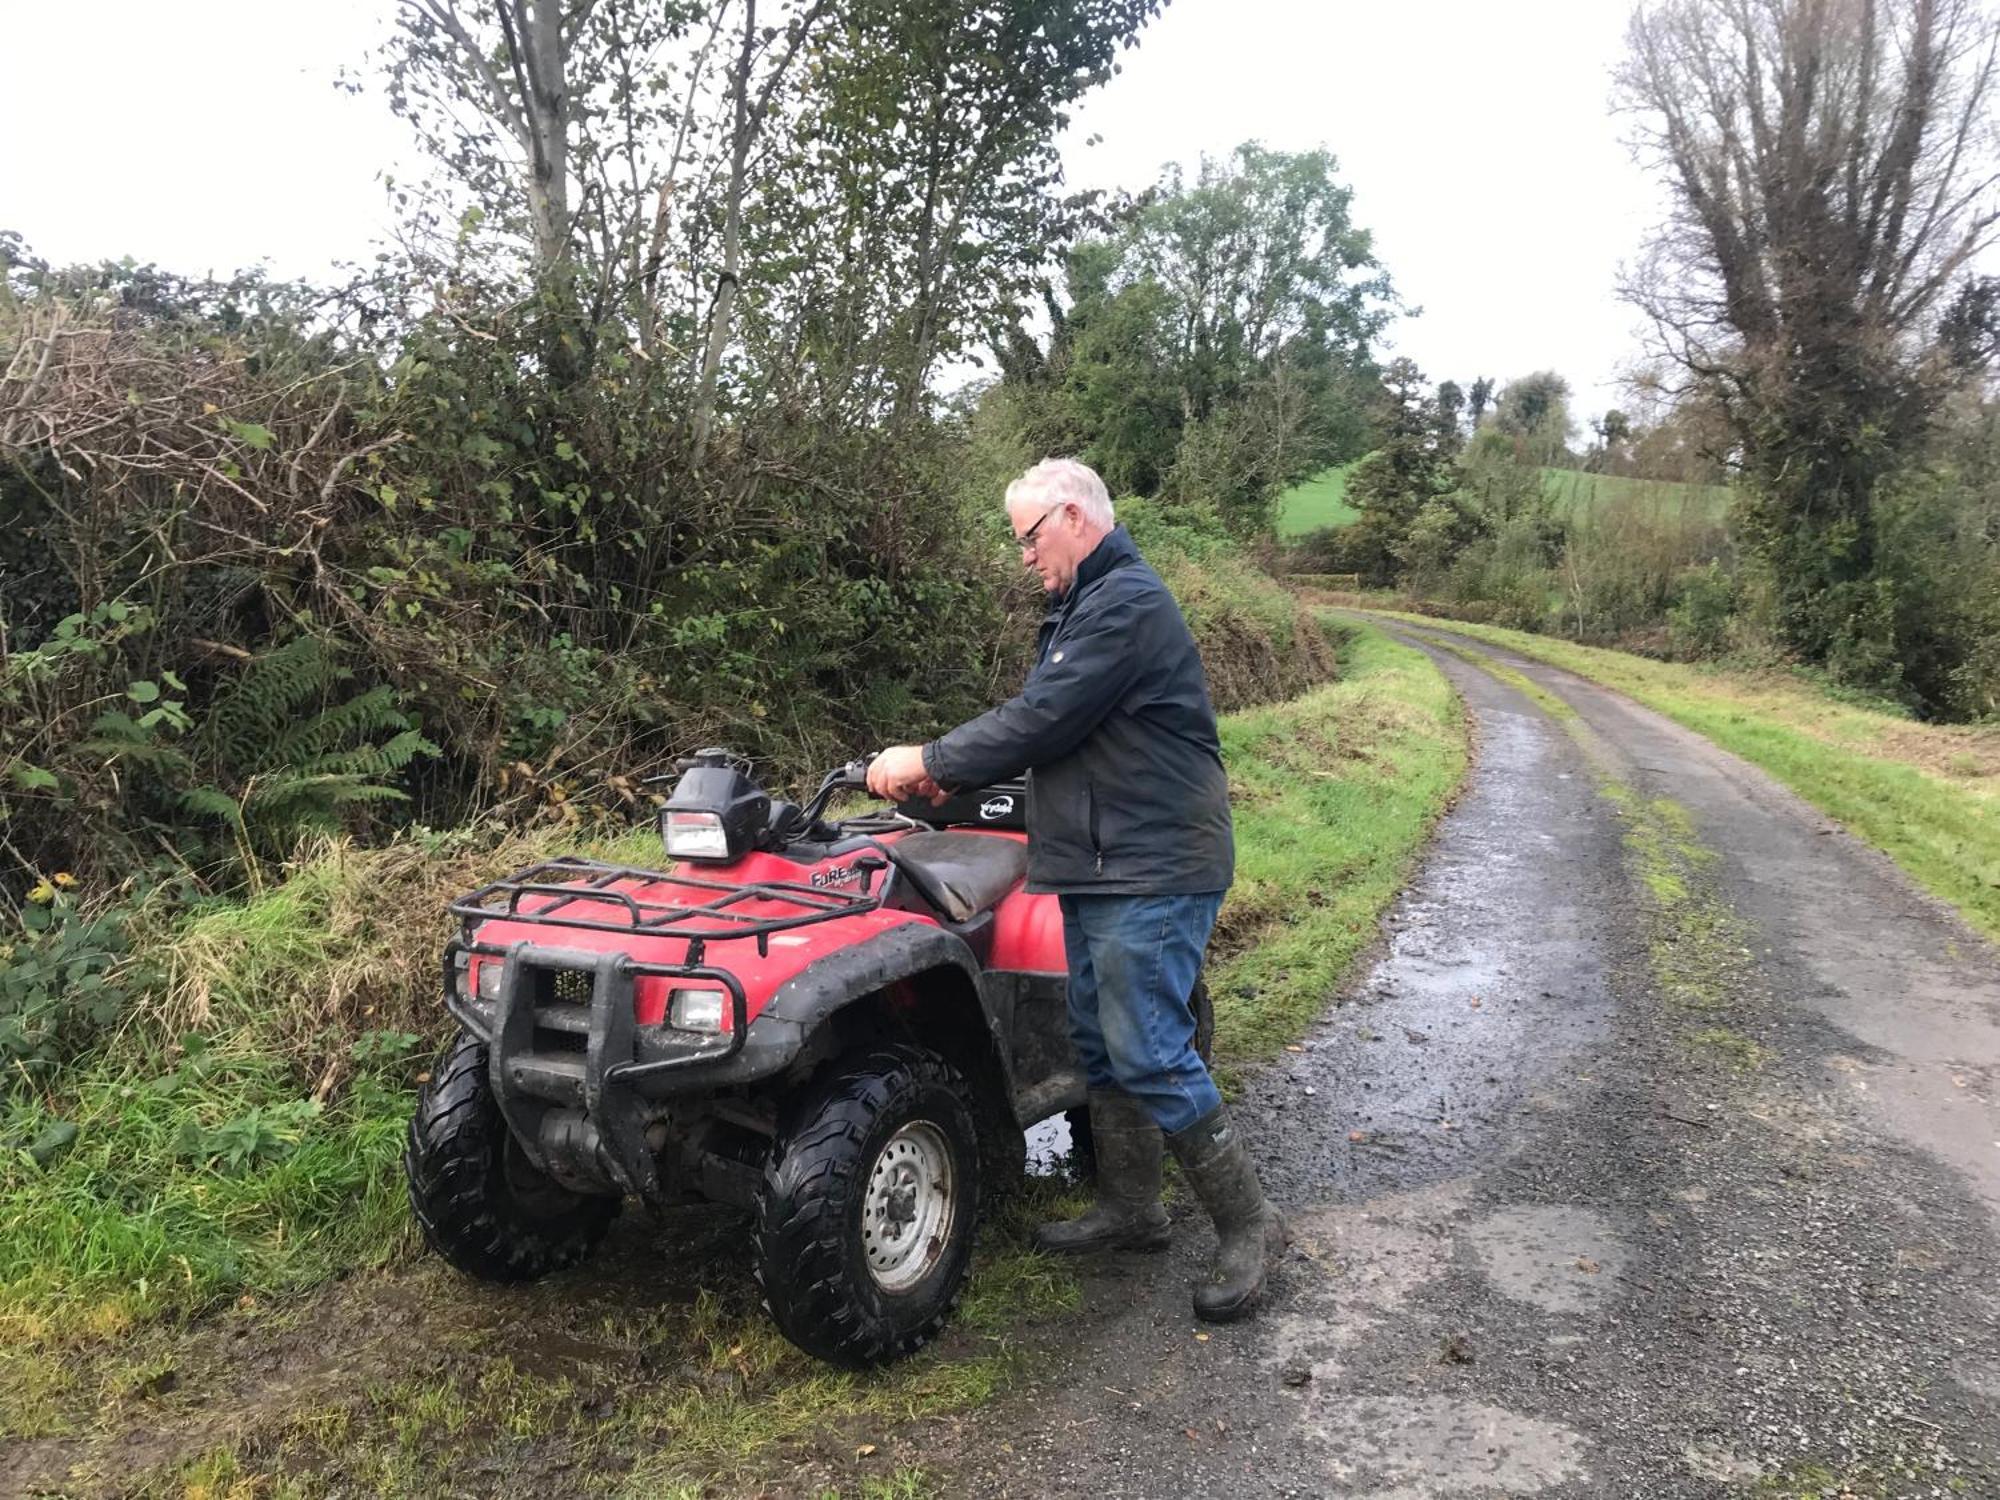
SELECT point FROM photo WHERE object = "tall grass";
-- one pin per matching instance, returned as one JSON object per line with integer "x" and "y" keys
{"x": 242, "y": 1128}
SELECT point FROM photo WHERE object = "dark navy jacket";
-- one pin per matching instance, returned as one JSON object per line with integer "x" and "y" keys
{"x": 1127, "y": 794}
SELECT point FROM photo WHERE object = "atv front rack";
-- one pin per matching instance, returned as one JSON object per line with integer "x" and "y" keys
{"x": 696, "y": 921}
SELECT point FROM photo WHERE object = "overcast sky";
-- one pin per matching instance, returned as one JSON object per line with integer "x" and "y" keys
{"x": 208, "y": 136}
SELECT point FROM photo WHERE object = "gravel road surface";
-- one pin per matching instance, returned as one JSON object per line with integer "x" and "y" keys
{"x": 1657, "y": 1153}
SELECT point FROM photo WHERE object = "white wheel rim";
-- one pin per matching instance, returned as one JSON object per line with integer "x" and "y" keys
{"x": 908, "y": 1211}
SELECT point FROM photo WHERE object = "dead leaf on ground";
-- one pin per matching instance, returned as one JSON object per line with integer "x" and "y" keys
{"x": 1588, "y": 1266}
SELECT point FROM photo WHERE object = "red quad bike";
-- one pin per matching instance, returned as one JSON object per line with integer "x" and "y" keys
{"x": 843, "y": 1027}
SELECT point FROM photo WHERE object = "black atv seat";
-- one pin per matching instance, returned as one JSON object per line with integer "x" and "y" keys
{"x": 966, "y": 872}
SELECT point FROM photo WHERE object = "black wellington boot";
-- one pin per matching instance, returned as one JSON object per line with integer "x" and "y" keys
{"x": 1253, "y": 1234}
{"x": 1127, "y": 1214}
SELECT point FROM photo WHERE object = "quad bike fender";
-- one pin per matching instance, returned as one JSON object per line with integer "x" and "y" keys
{"x": 948, "y": 997}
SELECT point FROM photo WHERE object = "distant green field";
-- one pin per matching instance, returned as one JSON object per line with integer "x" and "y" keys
{"x": 1322, "y": 500}
{"x": 1572, "y": 490}
{"x": 1318, "y": 502}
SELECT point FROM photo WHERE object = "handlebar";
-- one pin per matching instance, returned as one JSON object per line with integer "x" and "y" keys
{"x": 851, "y": 777}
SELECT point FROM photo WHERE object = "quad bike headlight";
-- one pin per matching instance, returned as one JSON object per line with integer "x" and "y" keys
{"x": 698, "y": 1010}
{"x": 489, "y": 979}
{"x": 696, "y": 835}
{"x": 716, "y": 812}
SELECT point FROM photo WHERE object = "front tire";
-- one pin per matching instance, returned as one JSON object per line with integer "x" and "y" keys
{"x": 866, "y": 1215}
{"x": 480, "y": 1202}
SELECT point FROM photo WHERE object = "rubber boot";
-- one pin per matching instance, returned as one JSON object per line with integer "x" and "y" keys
{"x": 1251, "y": 1231}
{"x": 1128, "y": 1214}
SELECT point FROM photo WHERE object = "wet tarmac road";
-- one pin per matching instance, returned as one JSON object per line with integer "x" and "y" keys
{"x": 1657, "y": 1153}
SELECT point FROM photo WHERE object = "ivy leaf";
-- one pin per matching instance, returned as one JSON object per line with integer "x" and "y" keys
{"x": 143, "y": 692}
{"x": 250, "y": 434}
{"x": 33, "y": 778}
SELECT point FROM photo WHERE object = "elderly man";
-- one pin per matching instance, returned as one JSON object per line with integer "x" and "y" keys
{"x": 1128, "y": 823}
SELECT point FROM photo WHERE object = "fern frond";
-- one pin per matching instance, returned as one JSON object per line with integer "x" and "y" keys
{"x": 211, "y": 802}
{"x": 372, "y": 712}
{"x": 299, "y": 753}
{"x": 263, "y": 701}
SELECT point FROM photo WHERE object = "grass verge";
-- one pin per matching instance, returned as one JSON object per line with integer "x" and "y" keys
{"x": 1927, "y": 795}
{"x": 1333, "y": 795}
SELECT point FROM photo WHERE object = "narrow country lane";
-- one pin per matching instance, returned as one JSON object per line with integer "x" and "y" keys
{"x": 1657, "y": 1154}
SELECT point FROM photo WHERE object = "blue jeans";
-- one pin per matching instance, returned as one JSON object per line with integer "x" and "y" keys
{"x": 1132, "y": 966}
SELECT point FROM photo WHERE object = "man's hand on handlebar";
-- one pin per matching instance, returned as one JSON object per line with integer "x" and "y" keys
{"x": 898, "y": 775}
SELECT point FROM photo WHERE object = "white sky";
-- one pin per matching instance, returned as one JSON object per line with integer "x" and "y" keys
{"x": 208, "y": 136}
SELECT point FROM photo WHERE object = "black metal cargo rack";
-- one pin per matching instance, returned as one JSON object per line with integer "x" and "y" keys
{"x": 570, "y": 881}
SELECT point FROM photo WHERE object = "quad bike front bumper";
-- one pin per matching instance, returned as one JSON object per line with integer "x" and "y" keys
{"x": 579, "y": 1081}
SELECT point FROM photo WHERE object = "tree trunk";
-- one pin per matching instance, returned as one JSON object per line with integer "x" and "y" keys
{"x": 535, "y": 47}
{"x": 732, "y": 240}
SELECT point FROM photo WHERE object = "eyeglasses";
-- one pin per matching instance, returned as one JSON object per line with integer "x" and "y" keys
{"x": 1027, "y": 538}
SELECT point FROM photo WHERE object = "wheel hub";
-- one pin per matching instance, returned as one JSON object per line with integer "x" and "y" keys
{"x": 909, "y": 1206}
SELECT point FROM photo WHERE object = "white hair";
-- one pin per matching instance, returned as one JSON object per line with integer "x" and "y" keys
{"x": 1056, "y": 480}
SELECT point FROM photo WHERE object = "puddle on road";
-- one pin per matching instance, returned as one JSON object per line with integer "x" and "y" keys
{"x": 1049, "y": 1147}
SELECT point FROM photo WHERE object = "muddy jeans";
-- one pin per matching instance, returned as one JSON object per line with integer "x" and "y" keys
{"x": 1132, "y": 964}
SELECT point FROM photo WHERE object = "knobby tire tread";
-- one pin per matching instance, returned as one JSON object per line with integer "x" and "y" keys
{"x": 458, "y": 1189}
{"x": 815, "y": 1281}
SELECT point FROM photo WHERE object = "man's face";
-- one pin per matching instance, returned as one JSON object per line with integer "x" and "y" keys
{"x": 1051, "y": 540}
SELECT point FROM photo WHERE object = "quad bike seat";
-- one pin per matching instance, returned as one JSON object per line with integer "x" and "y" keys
{"x": 962, "y": 874}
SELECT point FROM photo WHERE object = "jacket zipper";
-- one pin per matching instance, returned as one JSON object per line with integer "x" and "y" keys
{"x": 1096, "y": 844}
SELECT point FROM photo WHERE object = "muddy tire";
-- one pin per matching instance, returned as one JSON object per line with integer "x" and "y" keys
{"x": 479, "y": 1201}
{"x": 866, "y": 1215}
{"x": 1082, "y": 1148}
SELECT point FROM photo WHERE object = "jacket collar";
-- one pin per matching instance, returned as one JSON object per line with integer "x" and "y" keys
{"x": 1115, "y": 551}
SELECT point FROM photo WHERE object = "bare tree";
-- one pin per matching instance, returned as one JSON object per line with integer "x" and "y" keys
{"x": 570, "y": 123}
{"x": 747, "y": 116}
{"x": 525, "y": 89}
{"x": 1832, "y": 165}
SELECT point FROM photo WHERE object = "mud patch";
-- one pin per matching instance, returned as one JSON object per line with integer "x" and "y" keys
{"x": 1414, "y": 1447}
{"x": 1362, "y": 1264}
{"x": 1981, "y": 1380}
{"x": 1718, "y": 1465}
{"x": 1560, "y": 1258}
